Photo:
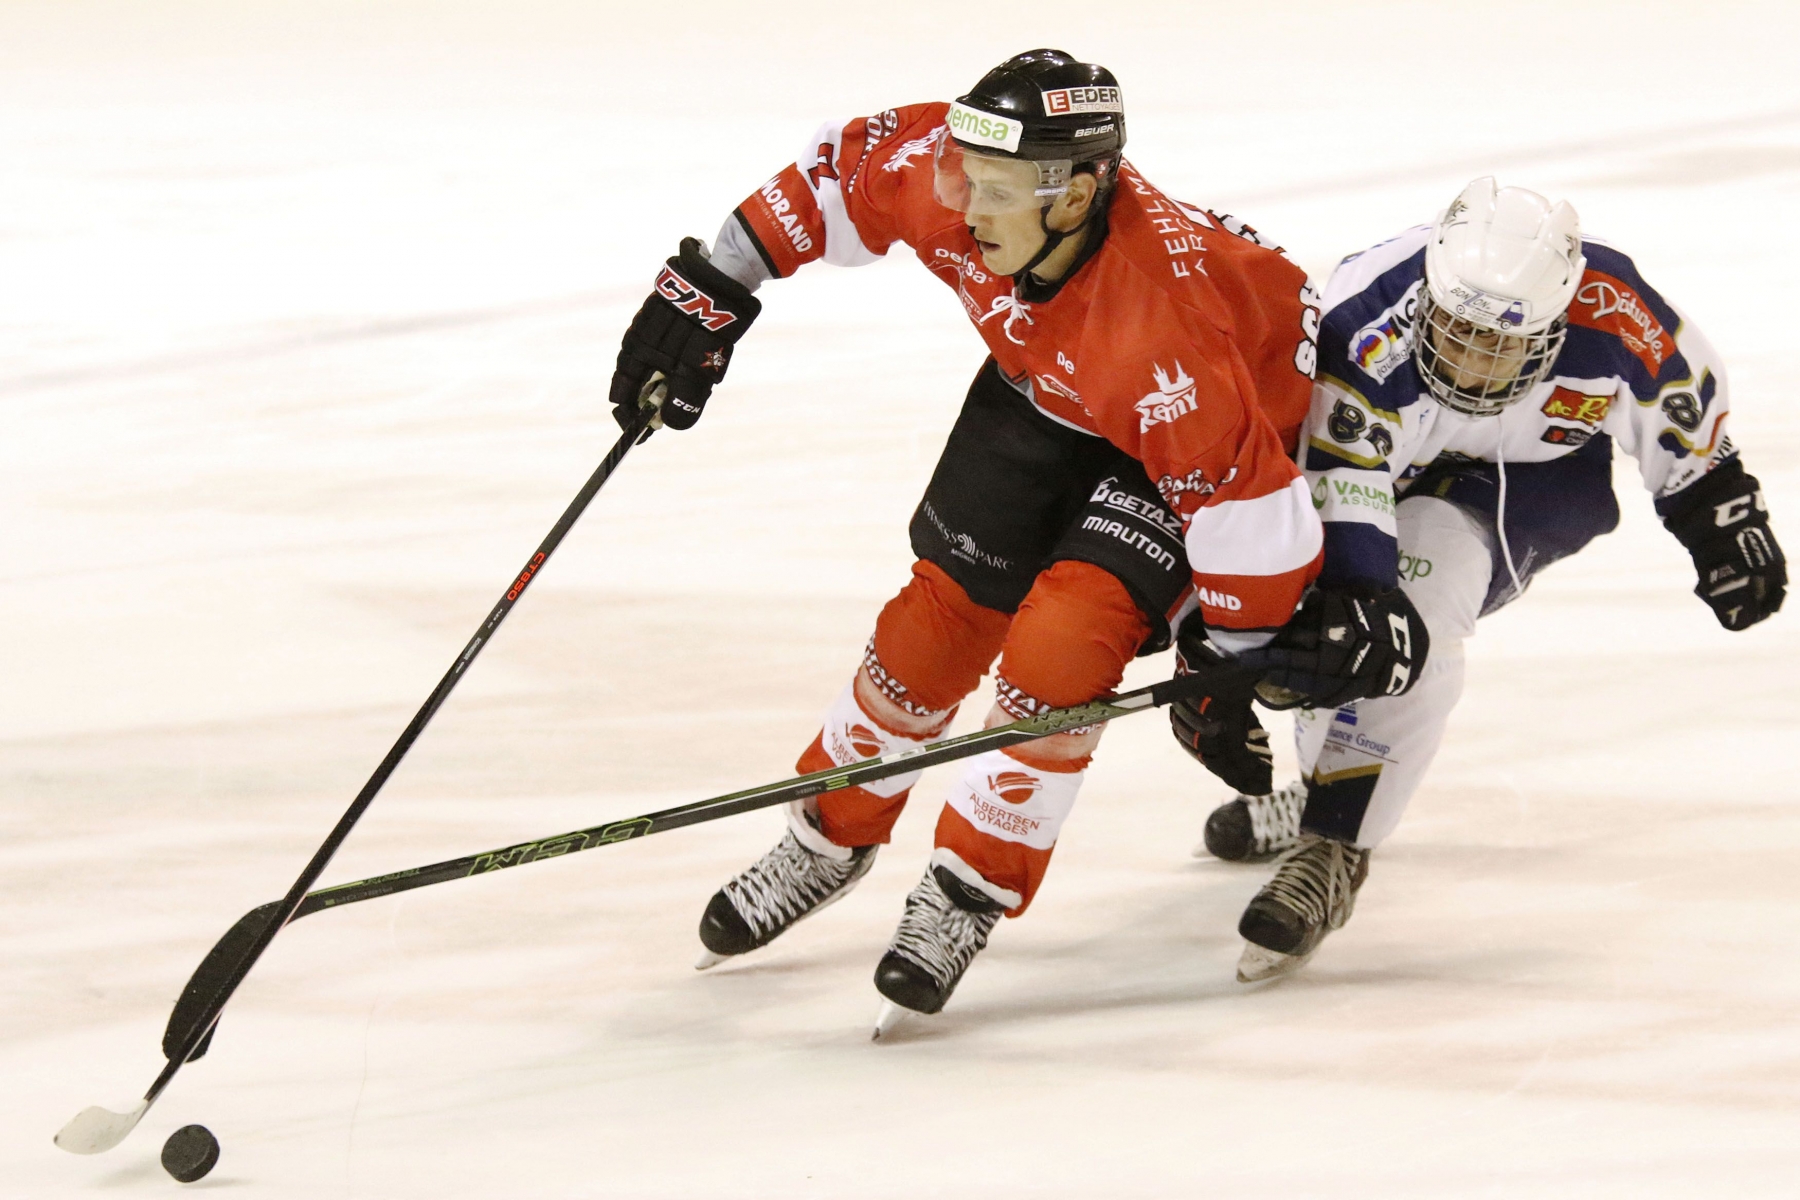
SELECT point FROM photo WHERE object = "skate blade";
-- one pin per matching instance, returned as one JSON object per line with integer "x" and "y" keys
{"x": 1258, "y": 963}
{"x": 891, "y": 1015}
{"x": 709, "y": 960}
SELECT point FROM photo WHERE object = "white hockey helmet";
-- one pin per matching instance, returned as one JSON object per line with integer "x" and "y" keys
{"x": 1501, "y": 267}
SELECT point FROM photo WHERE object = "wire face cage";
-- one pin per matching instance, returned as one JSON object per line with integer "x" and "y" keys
{"x": 1475, "y": 370}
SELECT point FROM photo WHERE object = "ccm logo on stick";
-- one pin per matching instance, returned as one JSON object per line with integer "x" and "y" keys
{"x": 691, "y": 300}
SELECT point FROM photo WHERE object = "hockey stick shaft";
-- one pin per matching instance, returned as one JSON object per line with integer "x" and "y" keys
{"x": 224, "y": 982}
{"x": 800, "y": 787}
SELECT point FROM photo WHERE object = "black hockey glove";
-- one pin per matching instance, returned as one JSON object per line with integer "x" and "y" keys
{"x": 685, "y": 330}
{"x": 1722, "y": 521}
{"x": 1344, "y": 644}
{"x": 1220, "y": 728}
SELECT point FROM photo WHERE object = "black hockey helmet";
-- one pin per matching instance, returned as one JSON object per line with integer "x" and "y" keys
{"x": 1043, "y": 110}
{"x": 1063, "y": 108}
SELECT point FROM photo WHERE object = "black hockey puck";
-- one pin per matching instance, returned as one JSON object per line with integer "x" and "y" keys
{"x": 190, "y": 1153}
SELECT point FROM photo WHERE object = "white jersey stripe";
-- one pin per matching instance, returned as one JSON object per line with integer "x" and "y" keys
{"x": 1269, "y": 535}
{"x": 843, "y": 245}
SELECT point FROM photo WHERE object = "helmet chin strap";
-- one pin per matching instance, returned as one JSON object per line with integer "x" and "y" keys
{"x": 1052, "y": 239}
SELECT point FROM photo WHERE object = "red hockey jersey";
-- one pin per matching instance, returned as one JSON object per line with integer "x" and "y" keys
{"x": 1184, "y": 341}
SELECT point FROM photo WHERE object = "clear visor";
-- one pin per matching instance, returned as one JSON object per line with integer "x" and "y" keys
{"x": 988, "y": 185}
{"x": 1476, "y": 370}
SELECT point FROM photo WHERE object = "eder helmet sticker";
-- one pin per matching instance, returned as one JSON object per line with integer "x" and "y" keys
{"x": 1082, "y": 100}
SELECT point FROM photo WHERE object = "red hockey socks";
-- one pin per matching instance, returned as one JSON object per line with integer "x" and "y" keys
{"x": 1069, "y": 643}
{"x": 931, "y": 647}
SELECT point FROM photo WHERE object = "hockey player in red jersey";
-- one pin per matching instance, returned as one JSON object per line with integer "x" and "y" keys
{"x": 1127, "y": 448}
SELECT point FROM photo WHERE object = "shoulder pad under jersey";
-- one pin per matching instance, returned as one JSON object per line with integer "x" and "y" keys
{"x": 1620, "y": 327}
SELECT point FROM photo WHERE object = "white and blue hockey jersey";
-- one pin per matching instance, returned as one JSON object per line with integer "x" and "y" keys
{"x": 1632, "y": 367}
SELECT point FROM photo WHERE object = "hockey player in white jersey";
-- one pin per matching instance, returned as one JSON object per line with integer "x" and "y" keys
{"x": 1473, "y": 376}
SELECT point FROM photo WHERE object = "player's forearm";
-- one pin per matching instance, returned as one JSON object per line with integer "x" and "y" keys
{"x": 738, "y": 254}
{"x": 1253, "y": 557}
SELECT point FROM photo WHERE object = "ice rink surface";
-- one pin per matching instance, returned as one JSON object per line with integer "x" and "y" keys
{"x": 308, "y": 311}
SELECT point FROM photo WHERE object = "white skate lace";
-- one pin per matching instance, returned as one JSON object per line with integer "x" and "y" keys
{"x": 1318, "y": 881}
{"x": 789, "y": 882}
{"x": 939, "y": 936}
{"x": 1275, "y": 818}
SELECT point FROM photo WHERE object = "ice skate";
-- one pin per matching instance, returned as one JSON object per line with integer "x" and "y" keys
{"x": 1255, "y": 828}
{"x": 939, "y": 936}
{"x": 1313, "y": 893}
{"x": 790, "y": 882}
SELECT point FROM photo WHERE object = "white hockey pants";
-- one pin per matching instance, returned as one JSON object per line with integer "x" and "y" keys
{"x": 1365, "y": 760}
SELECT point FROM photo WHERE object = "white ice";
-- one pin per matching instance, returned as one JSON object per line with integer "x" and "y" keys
{"x": 308, "y": 313}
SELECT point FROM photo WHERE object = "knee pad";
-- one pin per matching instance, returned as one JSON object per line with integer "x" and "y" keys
{"x": 1071, "y": 640}
{"x": 932, "y": 643}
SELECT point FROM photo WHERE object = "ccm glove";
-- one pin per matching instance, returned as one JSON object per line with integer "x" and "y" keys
{"x": 1722, "y": 521}
{"x": 1344, "y": 644}
{"x": 1219, "y": 728}
{"x": 684, "y": 332}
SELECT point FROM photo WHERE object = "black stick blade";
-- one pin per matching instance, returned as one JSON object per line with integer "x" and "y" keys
{"x": 210, "y": 977}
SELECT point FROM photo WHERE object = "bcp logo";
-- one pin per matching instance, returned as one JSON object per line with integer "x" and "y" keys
{"x": 691, "y": 300}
